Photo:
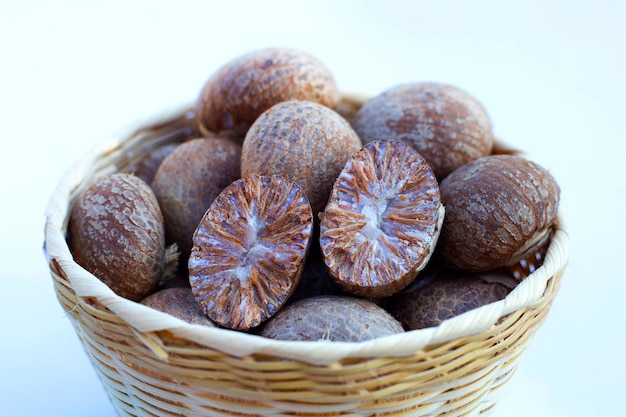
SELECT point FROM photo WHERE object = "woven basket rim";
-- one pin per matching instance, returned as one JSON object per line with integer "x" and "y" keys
{"x": 146, "y": 320}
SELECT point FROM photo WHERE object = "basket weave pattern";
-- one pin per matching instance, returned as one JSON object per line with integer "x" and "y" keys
{"x": 151, "y": 364}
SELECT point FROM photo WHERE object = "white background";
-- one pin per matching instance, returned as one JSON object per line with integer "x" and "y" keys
{"x": 550, "y": 73}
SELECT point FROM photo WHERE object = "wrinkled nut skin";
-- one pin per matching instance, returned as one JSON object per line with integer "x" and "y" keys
{"x": 240, "y": 91}
{"x": 382, "y": 221}
{"x": 497, "y": 209}
{"x": 116, "y": 232}
{"x": 180, "y": 303}
{"x": 331, "y": 317}
{"x": 249, "y": 250}
{"x": 189, "y": 179}
{"x": 448, "y": 295}
{"x": 303, "y": 141}
{"x": 446, "y": 125}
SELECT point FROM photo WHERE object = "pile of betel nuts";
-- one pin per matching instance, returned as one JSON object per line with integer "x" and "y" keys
{"x": 295, "y": 212}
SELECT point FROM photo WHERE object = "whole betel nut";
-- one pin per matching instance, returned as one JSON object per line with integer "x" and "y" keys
{"x": 249, "y": 250}
{"x": 180, "y": 303}
{"x": 116, "y": 232}
{"x": 445, "y": 295}
{"x": 498, "y": 209}
{"x": 245, "y": 87}
{"x": 445, "y": 124}
{"x": 333, "y": 318}
{"x": 303, "y": 141}
{"x": 189, "y": 179}
{"x": 382, "y": 220}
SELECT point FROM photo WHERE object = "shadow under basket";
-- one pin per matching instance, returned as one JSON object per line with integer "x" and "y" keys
{"x": 153, "y": 364}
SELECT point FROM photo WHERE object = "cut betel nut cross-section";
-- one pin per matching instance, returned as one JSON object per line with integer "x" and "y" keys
{"x": 249, "y": 250}
{"x": 382, "y": 220}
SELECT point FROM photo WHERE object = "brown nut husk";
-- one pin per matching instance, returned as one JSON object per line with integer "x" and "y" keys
{"x": 249, "y": 250}
{"x": 245, "y": 87}
{"x": 116, "y": 232}
{"x": 444, "y": 295}
{"x": 187, "y": 182}
{"x": 303, "y": 141}
{"x": 498, "y": 209}
{"x": 445, "y": 124}
{"x": 180, "y": 303}
{"x": 382, "y": 220}
{"x": 331, "y": 317}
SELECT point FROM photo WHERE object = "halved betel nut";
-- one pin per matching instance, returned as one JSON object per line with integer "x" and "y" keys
{"x": 382, "y": 220}
{"x": 249, "y": 250}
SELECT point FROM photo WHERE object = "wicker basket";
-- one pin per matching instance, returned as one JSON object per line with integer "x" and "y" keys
{"x": 152, "y": 364}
